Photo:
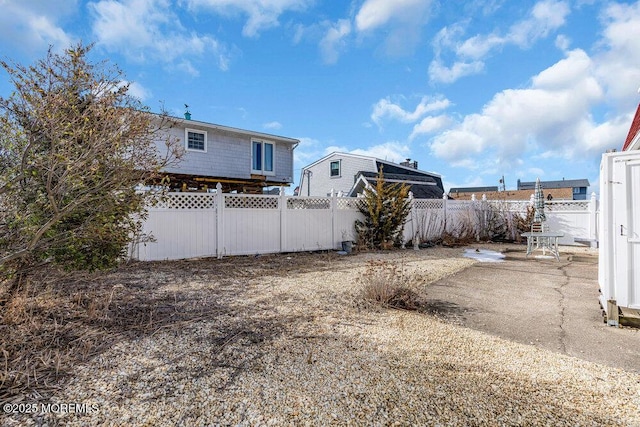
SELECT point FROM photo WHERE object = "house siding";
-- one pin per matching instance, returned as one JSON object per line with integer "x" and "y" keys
{"x": 321, "y": 182}
{"x": 227, "y": 155}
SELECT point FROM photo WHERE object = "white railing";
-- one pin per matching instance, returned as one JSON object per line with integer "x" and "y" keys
{"x": 188, "y": 225}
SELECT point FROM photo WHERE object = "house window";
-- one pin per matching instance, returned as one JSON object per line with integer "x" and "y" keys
{"x": 195, "y": 140}
{"x": 262, "y": 161}
{"x": 335, "y": 168}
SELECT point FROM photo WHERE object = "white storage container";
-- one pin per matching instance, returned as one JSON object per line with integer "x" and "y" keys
{"x": 619, "y": 250}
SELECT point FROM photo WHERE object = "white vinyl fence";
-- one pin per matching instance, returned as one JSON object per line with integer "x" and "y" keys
{"x": 188, "y": 225}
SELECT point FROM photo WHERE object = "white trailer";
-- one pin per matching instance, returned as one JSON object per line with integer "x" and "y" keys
{"x": 619, "y": 249}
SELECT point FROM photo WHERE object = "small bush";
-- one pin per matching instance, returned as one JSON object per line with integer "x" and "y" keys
{"x": 385, "y": 208}
{"x": 386, "y": 284}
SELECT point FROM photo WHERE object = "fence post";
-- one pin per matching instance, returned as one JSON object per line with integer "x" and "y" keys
{"x": 334, "y": 219}
{"x": 444, "y": 211}
{"x": 593, "y": 211}
{"x": 282, "y": 204}
{"x": 219, "y": 221}
{"x": 415, "y": 230}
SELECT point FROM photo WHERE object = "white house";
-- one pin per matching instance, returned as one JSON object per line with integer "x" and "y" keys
{"x": 619, "y": 250}
{"x": 241, "y": 160}
{"x": 348, "y": 174}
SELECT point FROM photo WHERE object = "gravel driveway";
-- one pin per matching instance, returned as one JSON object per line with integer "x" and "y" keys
{"x": 295, "y": 346}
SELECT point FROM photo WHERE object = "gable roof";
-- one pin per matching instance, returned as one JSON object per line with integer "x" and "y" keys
{"x": 422, "y": 187}
{"x": 633, "y": 131}
{"x": 376, "y": 162}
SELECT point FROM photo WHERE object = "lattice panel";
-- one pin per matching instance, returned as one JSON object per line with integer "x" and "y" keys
{"x": 233, "y": 201}
{"x": 510, "y": 206}
{"x": 307, "y": 203}
{"x": 458, "y": 206}
{"x": 187, "y": 201}
{"x": 569, "y": 205}
{"x": 428, "y": 203}
{"x": 348, "y": 203}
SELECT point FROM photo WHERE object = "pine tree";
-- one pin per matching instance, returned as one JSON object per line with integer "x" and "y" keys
{"x": 385, "y": 208}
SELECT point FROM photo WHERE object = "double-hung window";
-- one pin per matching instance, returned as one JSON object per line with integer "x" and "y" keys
{"x": 195, "y": 140}
{"x": 262, "y": 157}
{"x": 335, "y": 168}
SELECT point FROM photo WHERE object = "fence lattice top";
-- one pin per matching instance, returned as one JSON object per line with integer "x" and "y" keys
{"x": 186, "y": 201}
{"x": 308, "y": 203}
{"x": 246, "y": 201}
{"x": 428, "y": 203}
{"x": 243, "y": 201}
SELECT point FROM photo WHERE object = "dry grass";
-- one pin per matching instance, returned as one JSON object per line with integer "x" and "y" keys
{"x": 60, "y": 320}
{"x": 387, "y": 284}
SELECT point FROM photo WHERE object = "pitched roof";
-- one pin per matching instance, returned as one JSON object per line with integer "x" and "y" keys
{"x": 422, "y": 187}
{"x": 388, "y": 165}
{"x": 633, "y": 131}
{"x": 472, "y": 189}
{"x": 212, "y": 126}
{"x": 564, "y": 183}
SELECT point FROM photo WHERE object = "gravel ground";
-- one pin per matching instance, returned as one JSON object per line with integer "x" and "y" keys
{"x": 296, "y": 347}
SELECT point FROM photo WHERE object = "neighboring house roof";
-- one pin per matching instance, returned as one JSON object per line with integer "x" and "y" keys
{"x": 633, "y": 133}
{"x": 387, "y": 164}
{"x": 472, "y": 189}
{"x": 422, "y": 187}
{"x": 564, "y": 183}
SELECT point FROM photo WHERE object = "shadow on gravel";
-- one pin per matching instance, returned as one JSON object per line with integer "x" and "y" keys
{"x": 446, "y": 310}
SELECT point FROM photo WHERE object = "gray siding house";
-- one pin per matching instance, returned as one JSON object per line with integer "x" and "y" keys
{"x": 241, "y": 160}
{"x": 348, "y": 174}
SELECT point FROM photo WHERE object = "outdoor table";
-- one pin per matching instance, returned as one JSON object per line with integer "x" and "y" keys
{"x": 543, "y": 240}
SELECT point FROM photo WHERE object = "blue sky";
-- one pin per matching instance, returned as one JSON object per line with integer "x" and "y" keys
{"x": 472, "y": 90}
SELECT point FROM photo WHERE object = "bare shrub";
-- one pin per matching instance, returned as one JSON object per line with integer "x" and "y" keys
{"x": 462, "y": 232}
{"x": 430, "y": 228}
{"x": 387, "y": 284}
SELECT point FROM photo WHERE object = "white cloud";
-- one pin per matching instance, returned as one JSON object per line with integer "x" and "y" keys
{"x": 402, "y": 20}
{"x": 34, "y": 27}
{"x": 138, "y": 91}
{"x": 385, "y": 108}
{"x": 431, "y": 124}
{"x": 618, "y": 62}
{"x": 545, "y": 17}
{"x": 147, "y": 30}
{"x": 392, "y": 151}
{"x": 262, "y": 14}
{"x": 553, "y": 115}
{"x": 376, "y": 13}
{"x": 333, "y": 42}
{"x": 479, "y": 46}
{"x": 438, "y": 72}
{"x": 272, "y": 125}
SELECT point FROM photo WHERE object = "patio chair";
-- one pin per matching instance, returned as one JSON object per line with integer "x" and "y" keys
{"x": 538, "y": 241}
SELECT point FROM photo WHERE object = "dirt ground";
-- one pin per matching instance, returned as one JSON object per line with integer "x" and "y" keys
{"x": 228, "y": 321}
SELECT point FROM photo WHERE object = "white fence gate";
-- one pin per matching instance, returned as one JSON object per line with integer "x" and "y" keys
{"x": 188, "y": 225}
